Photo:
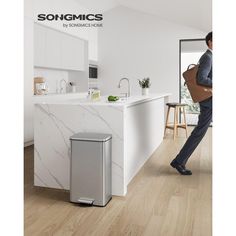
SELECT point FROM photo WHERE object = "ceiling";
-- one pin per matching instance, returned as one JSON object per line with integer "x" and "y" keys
{"x": 193, "y": 13}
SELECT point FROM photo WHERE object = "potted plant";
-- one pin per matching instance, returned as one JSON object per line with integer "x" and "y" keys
{"x": 145, "y": 85}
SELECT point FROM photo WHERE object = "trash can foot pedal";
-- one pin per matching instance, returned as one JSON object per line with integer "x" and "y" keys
{"x": 87, "y": 201}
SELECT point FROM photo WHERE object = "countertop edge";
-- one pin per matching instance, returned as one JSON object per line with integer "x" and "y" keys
{"x": 148, "y": 99}
{"x": 89, "y": 103}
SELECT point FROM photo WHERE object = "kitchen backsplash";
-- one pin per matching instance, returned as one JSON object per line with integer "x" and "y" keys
{"x": 52, "y": 77}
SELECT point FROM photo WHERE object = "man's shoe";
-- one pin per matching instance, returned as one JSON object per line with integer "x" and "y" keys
{"x": 180, "y": 168}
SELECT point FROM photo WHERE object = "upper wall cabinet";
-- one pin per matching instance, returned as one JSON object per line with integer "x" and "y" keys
{"x": 39, "y": 45}
{"x": 73, "y": 52}
{"x": 54, "y": 49}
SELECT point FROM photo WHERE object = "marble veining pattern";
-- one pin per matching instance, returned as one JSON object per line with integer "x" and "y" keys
{"x": 132, "y": 144}
{"x": 52, "y": 120}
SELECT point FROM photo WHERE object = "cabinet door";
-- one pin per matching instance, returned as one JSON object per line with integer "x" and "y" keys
{"x": 53, "y": 47}
{"x": 39, "y": 45}
{"x": 72, "y": 52}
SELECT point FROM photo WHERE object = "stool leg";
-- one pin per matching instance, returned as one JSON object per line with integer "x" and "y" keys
{"x": 175, "y": 120}
{"x": 167, "y": 118}
{"x": 185, "y": 122}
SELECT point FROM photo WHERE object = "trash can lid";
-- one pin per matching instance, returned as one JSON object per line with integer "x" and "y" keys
{"x": 96, "y": 137}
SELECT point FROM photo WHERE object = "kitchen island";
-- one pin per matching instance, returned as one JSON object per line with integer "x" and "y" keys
{"x": 136, "y": 124}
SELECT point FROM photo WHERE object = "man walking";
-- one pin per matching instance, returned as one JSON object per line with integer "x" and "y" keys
{"x": 204, "y": 77}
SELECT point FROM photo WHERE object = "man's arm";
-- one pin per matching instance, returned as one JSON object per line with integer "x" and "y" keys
{"x": 204, "y": 70}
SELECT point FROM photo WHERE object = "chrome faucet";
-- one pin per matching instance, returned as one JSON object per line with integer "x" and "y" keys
{"x": 61, "y": 88}
{"x": 119, "y": 85}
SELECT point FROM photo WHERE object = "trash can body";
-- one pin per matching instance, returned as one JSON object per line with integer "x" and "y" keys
{"x": 90, "y": 173}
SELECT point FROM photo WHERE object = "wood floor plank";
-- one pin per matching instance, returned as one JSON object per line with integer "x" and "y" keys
{"x": 159, "y": 201}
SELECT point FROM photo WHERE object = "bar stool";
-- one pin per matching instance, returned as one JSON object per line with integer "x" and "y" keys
{"x": 174, "y": 126}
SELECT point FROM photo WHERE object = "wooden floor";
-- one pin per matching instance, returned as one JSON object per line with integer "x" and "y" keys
{"x": 159, "y": 201}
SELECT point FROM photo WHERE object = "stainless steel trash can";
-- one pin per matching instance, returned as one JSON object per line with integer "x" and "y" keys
{"x": 90, "y": 169}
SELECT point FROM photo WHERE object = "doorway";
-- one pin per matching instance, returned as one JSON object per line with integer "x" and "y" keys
{"x": 190, "y": 51}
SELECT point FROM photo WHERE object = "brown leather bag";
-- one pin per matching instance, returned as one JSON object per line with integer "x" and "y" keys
{"x": 198, "y": 92}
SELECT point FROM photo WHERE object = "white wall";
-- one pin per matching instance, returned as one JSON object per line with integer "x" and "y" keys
{"x": 136, "y": 45}
{"x": 52, "y": 77}
{"x": 28, "y": 79}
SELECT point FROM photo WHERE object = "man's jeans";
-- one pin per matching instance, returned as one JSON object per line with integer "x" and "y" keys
{"x": 204, "y": 120}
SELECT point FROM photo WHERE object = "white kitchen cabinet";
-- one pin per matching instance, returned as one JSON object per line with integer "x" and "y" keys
{"x": 53, "y": 45}
{"x": 73, "y": 52}
{"x": 39, "y": 45}
{"x": 58, "y": 50}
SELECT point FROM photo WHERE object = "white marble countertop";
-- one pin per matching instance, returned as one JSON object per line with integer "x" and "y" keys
{"x": 130, "y": 101}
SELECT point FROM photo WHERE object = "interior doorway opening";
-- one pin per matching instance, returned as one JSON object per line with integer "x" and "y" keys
{"x": 190, "y": 51}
